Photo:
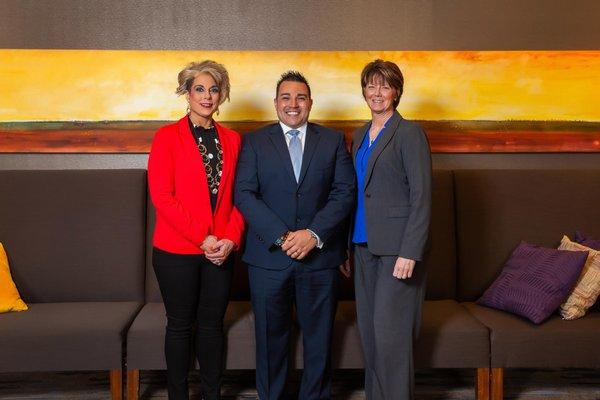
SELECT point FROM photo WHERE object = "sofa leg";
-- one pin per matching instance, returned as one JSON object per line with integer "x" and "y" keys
{"x": 116, "y": 384}
{"x": 497, "y": 383}
{"x": 482, "y": 384}
{"x": 133, "y": 384}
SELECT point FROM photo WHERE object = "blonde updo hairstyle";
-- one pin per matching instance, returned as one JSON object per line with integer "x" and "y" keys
{"x": 217, "y": 71}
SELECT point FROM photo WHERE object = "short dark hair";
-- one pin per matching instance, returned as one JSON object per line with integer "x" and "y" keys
{"x": 386, "y": 70}
{"x": 292, "y": 76}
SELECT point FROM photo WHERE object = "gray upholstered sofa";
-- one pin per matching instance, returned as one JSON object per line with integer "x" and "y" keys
{"x": 450, "y": 336}
{"x": 494, "y": 211}
{"x": 75, "y": 242}
{"x": 479, "y": 216}
{"x": 79, "y": 245}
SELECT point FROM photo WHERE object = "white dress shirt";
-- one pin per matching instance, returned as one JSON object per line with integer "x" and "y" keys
{"x": 302, "y": 137}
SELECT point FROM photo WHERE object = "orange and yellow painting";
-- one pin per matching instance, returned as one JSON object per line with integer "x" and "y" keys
{"x": 119, "y": 85}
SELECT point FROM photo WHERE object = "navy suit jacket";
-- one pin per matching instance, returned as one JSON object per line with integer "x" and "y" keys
{"x": 272, "y": 202}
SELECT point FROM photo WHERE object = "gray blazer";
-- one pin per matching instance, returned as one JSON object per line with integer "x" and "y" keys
{"x": 397, "y": 189}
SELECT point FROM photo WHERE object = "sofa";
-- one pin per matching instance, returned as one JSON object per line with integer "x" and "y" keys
{"x": 79, "y": 245}
{"x": 495, "y": 210}
{"x": 75, "y": 242}
{"x": 450, "y": 336}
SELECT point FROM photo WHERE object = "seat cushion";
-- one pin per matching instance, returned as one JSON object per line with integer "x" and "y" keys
{"x": 65, "y": 336}
{"x": 146, "y": 337}
{"x": 450, "y": 338}
{"x": 518, "y": 343}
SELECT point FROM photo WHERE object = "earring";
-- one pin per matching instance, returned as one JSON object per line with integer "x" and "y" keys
{"x": 187, "y": 110}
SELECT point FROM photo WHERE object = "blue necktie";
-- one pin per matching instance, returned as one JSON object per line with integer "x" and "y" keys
{"x": 295, "y": 149}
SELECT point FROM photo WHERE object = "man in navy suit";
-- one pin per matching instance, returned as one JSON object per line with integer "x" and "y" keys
{"x": 295, "y": 186}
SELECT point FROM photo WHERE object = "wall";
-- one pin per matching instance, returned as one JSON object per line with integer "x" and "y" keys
{"x": 301, "y": 25}
{"x": 306, "y": 25}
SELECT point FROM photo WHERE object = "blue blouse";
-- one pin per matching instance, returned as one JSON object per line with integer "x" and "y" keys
{"x": 359, "y": 234}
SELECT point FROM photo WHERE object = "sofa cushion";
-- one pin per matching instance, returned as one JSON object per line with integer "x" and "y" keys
{"x": 517, "y": 343}
{"x": 75, "y": 235}
{"x": 534, "y": 281}
{"x": 586, "y": 290}
{"x": 240, "y": 290}
{"x": 146, "y": 337}
{"x": 440, "y": 260}
{"x": 10, "y": 300}
{"x": 65, "y": 336}
{"x": 497, "y": 208}
{"x": 449, "y": 338}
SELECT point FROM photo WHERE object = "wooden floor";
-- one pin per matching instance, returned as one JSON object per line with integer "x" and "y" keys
{"x": 431, "y": 385}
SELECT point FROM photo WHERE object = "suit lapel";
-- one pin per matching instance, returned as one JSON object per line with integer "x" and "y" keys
{"x": 312, "y": 139}
{"x": 382, "y": 142}
{"x": 193, "y": 154}
{"x": 276, "y": 136}
{"x": 190, "y": 146}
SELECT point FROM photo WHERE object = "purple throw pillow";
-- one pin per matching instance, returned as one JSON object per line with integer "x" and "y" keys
{"x": 534, "y": 281}
{"x": 587, "y": 241}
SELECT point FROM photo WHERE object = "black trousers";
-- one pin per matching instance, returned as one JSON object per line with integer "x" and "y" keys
{"x": 195, "y": 292}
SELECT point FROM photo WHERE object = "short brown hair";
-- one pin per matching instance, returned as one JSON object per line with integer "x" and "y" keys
{"x": 292, "y": 76}
{"x": 217, "y": 71}
{"x": 388, "y": 71}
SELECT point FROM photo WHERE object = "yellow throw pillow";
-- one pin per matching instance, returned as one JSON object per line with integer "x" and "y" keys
{"x": 587, "y": 288}
{"x": 9, "y": 295}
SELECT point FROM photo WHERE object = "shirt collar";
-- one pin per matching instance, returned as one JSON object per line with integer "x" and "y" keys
{"x": 301, "y": 129}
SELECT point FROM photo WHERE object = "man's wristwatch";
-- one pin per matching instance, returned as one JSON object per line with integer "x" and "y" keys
{"x": 313, "y": 235}
{"x": 281, "y": 240}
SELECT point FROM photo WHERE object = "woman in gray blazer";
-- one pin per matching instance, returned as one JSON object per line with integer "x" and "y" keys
{"x": 391, "y": 225}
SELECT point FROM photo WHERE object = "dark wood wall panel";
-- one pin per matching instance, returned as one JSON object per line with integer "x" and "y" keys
{"x": 444, "y": 137}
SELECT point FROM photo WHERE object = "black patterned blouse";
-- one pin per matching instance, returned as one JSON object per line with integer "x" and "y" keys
{"x": 211, "y": 151}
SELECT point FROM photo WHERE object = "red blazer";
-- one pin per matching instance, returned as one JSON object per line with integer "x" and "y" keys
{"x": 179, "y": 190}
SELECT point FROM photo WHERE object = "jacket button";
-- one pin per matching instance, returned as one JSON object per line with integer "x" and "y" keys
{"x": 297, "y": 219}
{"x": 297, "y": 194}
{"x": 368, "y": 195}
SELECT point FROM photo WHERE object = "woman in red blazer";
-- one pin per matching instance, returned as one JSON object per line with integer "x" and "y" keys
{"x": 190, "y": 174}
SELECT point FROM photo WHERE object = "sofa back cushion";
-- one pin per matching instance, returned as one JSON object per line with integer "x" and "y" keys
{"x": 440, "y": 261}
{"x": 440, "y": 258}
{"x": 496, "y": 209}
{"x": 152, "y": 290}
{"x": 75, "y": 235}
{"x": 239, "y": 285}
